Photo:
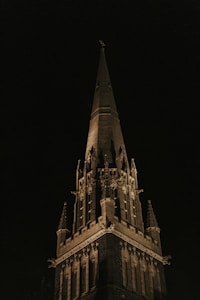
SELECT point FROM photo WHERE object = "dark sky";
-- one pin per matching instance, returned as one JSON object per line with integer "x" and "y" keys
{"x": 48, "y": 67}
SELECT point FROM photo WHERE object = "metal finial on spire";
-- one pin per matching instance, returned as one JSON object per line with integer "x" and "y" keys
{"x": 103, "y": 45}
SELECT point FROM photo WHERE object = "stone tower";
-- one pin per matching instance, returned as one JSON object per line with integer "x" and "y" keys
{"x": 107, "y": 253}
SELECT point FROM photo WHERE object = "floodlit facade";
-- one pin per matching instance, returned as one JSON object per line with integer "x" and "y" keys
{"x": 107, "y": 253}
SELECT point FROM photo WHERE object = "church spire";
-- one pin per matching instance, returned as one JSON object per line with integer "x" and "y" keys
{"x": 108, "y": 254}
{"x": 103, "y": 95}
{"x": 105, "y": 135}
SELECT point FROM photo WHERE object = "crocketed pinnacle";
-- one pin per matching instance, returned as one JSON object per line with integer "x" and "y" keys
{"x": 151, "y": 218}
{"x": 63, "y": 218}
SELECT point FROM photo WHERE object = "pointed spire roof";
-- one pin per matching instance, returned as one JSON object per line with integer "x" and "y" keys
{"x": 151, "y": 218}
{"x": 63, "y": 218}
{"x": 105, "y": 135}
{"x": 103, "y": 95}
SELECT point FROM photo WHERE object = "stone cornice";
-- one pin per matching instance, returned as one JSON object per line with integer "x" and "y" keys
{"x": 102, "y": 232}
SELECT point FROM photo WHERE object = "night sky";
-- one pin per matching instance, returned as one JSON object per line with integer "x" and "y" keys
{"x": 48, "y": 72}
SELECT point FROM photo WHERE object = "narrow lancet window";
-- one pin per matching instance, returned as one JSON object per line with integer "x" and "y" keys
{"x": 83, "y": 279}
{"x": 92, "y": 269}
{"x": 74, "y": 284}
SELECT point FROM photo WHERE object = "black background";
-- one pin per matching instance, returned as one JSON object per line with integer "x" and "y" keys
{"x": 48, "y": 70}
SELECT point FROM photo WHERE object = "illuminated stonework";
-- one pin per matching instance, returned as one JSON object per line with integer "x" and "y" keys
{"x": 107, "y": 253}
